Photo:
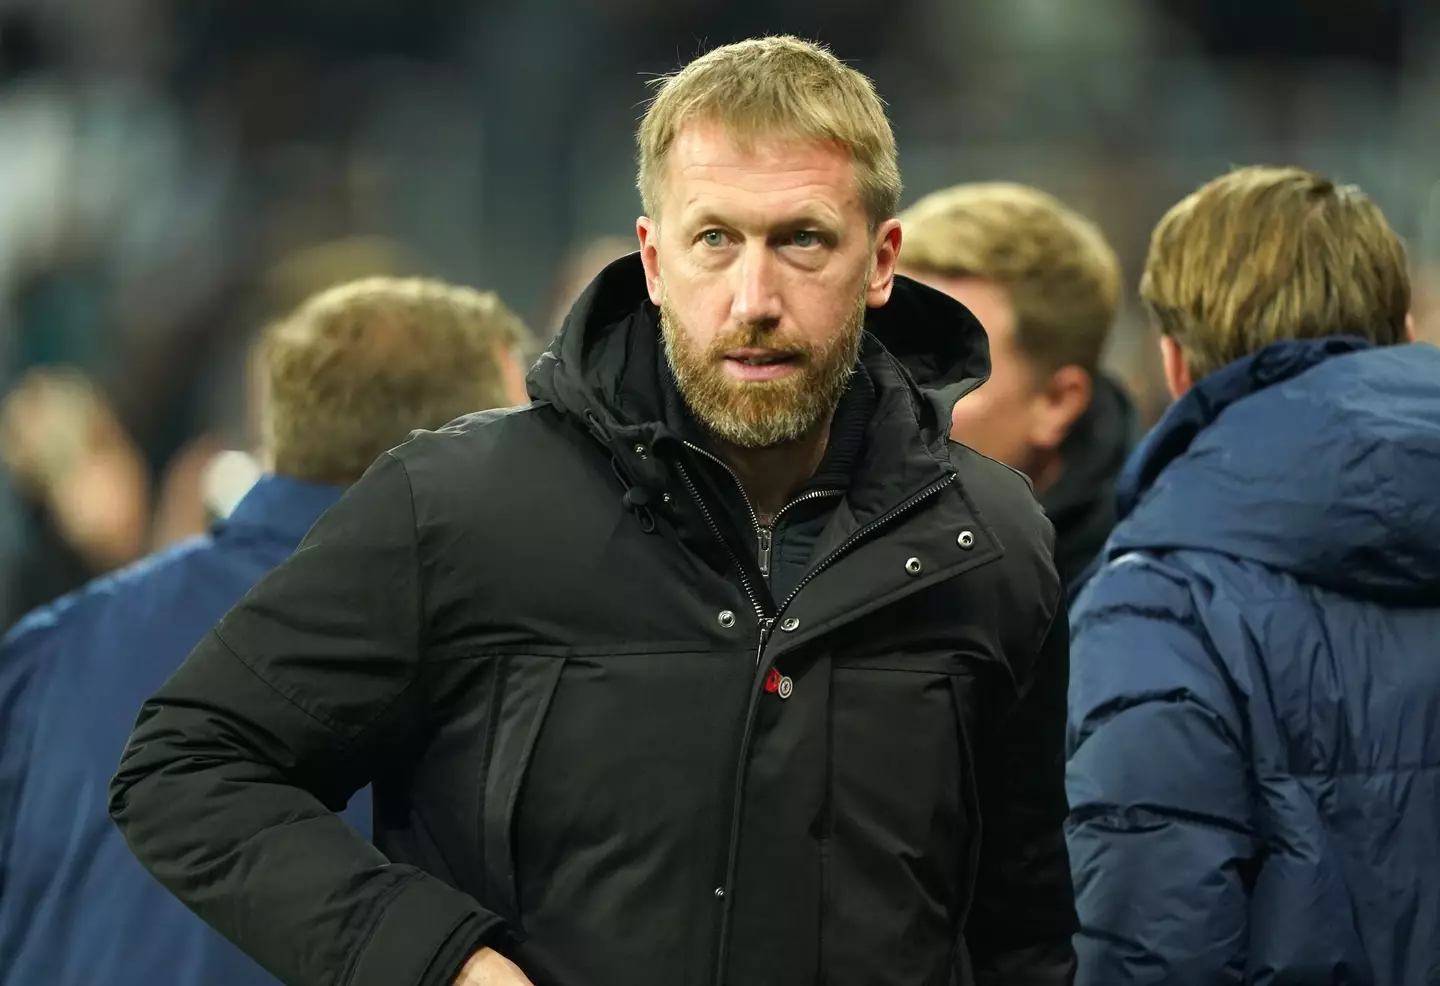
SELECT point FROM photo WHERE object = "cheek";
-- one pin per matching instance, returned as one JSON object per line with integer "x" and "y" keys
{"x": 993, "y": 410}
{"x": 699, "y": 309}
{"x": 820, "y": 308}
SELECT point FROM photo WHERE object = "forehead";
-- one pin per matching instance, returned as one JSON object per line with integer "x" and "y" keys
{"x": 766, "y": 179}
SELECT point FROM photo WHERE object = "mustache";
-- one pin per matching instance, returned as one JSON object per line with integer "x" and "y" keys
{"x": 760, "y": 336}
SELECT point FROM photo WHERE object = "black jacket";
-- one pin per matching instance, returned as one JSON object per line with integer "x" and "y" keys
{"x": 594, "y": 741}
{"x": 1081, "y": 501}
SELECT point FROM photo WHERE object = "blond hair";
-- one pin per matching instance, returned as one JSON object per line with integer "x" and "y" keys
{"x": 357, "y": 367}
{"x": 1059, "y": 273}
{"x": 1264, "y": 254}
{"x": 769, "y": 87}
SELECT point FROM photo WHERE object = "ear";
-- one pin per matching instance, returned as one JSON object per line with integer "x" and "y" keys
{"x": 887, "y": 255}
{"x": 649, "y": 232}
{"x": 1060, "y": 402}
{"x": 1409, "y": 327}
{"x": 1177, "y": 371}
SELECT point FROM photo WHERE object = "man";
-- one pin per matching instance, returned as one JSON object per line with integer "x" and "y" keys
{"x": 1255, "y": 693}
{"x": 348, "y": 375}
{"x": 714, "y": 665}
{"x": 1045, "y": 284}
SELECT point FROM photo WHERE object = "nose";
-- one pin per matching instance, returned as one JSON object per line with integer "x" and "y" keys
{"x": 757, "y": 295}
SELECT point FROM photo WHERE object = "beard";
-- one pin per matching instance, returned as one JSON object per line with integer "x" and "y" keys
{"x": 762, "y": 413}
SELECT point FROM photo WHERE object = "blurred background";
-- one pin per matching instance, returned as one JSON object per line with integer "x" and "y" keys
{"x": 173, "y": 173}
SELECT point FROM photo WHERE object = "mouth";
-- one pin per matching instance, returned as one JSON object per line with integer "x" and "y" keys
{"x": 760, "y": 357}
{"x": 758, "y": 365}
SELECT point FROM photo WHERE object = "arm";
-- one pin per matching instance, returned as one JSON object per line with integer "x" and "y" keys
{"x": 1159, "y": 826}
{"x": 227, "y": 787}
{"x": 1020, "y": 927}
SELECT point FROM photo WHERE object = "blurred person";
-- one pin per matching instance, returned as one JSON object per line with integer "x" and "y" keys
{"x": 232, "y": 425}
{"x": 1045, "y": 284}
{"x": 582, "y": 267}
{"x": 350, "y": 374}
{"x": 1427, "y": 302}
{"x": 706, "y": 667}
{"x": 108, "y": 218}
{"x": 1255, "y": 690}
{"x": 80, "y": 479}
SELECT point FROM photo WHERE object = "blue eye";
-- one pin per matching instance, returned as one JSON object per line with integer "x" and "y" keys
{"x": 713, "y": 238}
{"x": 805, "y": 238}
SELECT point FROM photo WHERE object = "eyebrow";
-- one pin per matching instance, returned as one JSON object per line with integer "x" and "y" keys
{"x": 791, "y": 224}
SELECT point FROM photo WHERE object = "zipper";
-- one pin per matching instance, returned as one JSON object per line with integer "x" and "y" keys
{"x": 764, "y": 533}
{"x": 760, "y": 614}
{"x": 766, "y": 625}
{"x": 865, "y": 532}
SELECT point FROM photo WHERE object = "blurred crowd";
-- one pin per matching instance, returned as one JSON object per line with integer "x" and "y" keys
{"x": 176, "y": 175}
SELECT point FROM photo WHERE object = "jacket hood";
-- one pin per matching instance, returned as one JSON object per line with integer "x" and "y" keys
{"x": 604, "y": 363}
{"x": 1320, "y": 458}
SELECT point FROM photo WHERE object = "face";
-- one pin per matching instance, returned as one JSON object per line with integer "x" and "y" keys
{"x": 762, "y": 263}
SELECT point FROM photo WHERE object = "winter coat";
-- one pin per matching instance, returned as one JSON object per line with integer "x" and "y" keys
{"x": 1255, "y": 698}
{"x": 599, "y": 740}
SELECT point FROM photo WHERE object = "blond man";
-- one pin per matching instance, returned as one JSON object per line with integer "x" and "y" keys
{"x": 348, "y": 375}
{"x": 1255, "y": 695}
{"x": 1045, "y": 284}
{"x": 717, "y": 664}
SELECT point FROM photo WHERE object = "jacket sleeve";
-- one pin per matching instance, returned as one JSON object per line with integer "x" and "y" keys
{"x": 227, "y": 786}
{"x": 1022, "y": 922}
{"x": 1159, "y": 829}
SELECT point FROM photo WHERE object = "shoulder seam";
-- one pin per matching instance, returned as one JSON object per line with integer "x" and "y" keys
{"x": 419, "y": 569}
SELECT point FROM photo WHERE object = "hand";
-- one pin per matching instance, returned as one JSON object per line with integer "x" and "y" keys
{"x": 488, "y": 967}
{"x": 64, "y": 446}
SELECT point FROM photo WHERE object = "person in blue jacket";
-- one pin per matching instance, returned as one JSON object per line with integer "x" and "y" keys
{"x": 347, "y": 376}
{"x": 1254, "y": 737}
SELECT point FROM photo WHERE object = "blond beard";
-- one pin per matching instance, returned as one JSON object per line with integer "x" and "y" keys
{"x": 761, "y": 413}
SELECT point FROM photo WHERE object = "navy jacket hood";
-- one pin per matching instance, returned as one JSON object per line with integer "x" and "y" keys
{"x": 1319, "y": 458}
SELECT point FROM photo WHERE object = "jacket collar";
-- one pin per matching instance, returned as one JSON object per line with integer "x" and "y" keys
{"x": 1203, "y": 403}
{"x": 279, "y": 507}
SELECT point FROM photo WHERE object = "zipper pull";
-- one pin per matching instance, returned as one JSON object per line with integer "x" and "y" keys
{"x": 766, "y": 537}
{"x": 766, "y": 625}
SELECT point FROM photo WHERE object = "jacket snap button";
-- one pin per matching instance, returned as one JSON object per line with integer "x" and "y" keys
{"x": 719, "y": 891}
{"x": 914, "y": 567}
{"x": 666, "y": 498}
{"x": 787, "y": 687}
{"x": 790, "y": 625}
{"x": 966, "y": 540}
{"x": 727, "y": 619}
{"x": 640, "y": 451}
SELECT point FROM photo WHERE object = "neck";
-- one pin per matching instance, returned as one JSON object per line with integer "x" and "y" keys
{"x": 1044, "y": 470}
{"x": 770, "y": 475}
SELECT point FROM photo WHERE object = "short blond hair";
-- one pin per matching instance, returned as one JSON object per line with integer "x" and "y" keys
{"x": 774, "y": 87}
{"x": 1060, "y": 274}
{"x": 1264, "y": 254}
{"x": 357, "y": 367}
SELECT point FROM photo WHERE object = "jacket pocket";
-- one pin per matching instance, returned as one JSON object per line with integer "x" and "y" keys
{"x": 904, "y": 809}
{"x": 518, "y": 705}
